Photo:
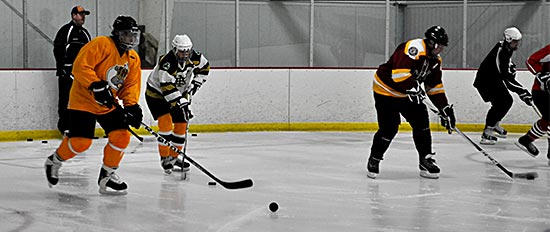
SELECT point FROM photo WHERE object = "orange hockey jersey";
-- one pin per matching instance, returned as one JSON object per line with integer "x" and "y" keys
{"x": 100, "y": 60}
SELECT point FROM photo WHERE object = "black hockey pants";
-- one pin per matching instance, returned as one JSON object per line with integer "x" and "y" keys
{"x": 388, "y": 111}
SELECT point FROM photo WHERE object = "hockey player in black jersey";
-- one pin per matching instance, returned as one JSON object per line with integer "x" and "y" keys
{"x": 178, "y": 75}
{"x": 495, "y": 77}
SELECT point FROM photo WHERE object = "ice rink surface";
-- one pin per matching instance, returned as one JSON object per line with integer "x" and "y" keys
{"x": 317, "y": 178}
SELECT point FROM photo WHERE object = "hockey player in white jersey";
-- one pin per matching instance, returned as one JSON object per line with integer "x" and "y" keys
{"x": 178, "y": 75}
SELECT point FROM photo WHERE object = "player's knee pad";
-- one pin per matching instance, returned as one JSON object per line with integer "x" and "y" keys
{"x": 119, "y": 139}
{"x": 165, "y": 123}
{"x": 78, "y": 145}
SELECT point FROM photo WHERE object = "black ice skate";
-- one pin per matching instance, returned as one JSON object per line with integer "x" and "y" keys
{"x": 52, "y": 165}
{"x": 110, "y": 183}
{"x": 184, "y": 166}
{"x": 428, "y": 167}
{"x": 525, "y": 143}
{"x": 372, "y": 167}
{"x": 500, "y": 132}
{"x": 167, "y": 164}
{"x": 488, "y": 137}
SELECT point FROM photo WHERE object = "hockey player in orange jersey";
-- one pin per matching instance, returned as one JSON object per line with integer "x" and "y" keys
{"x": 106, "y": 70}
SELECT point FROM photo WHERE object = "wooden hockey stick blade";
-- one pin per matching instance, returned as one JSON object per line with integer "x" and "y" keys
{"x": 526, "y": 175}
{"x": 226, "y": 184}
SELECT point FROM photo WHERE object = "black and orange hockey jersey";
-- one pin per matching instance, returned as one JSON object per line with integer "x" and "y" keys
{"x": 100, "y": 60}
{"x": 397, "y": 75}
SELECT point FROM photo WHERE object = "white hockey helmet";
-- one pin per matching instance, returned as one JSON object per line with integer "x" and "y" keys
{"x": 511, "y": 33}
{"x": 182, "y": 43}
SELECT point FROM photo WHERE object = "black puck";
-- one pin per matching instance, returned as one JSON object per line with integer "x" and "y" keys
{"x": 211, "y": 183}
{"x": 193, "y": 134}
{"x": 273, "y": 207}
{"x": 29, "y": 140}
{"x": 44, "y": 141}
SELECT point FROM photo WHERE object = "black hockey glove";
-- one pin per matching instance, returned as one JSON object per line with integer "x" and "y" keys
{"x": 195, "y": 87}
{"x": 134, "y": 115}
{"x": 526, "y": 97}
{"x": 544, "y": 80}
{"x": 102, "y": 93}
{"x": 448, "y": 119}
{"x": 415, "y": 94}
{"x": 183, "y": 104}
{"x": 512, "y": 69}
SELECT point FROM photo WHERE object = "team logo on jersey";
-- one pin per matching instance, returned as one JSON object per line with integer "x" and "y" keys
{"x": 413, "y": 51}
{"x": 166, "y": 66}
{"x": 116, "y": 75}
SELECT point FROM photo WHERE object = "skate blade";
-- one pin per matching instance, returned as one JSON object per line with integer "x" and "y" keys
{"x": 371, "y": 175}
{"x": 487, "y": 142}
{"x": 500, "y": 136}
{"x": 181, "y": 169}
{"x": 428, "y": 175}
{"x": 112, "y": 192}
{"x": 525, "y": 150}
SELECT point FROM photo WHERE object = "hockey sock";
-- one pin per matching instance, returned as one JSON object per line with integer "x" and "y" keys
{"x": 114, "y": 149}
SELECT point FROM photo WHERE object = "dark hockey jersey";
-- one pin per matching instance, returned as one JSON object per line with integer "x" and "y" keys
{"x": 409, "y": 66}
{"x": 496, "y": 68}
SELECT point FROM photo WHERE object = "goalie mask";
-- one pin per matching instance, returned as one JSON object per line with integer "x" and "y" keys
{"x": 125, "y": 32}
{"x": 182, "y": 47}
{"x": 512, "y": 37}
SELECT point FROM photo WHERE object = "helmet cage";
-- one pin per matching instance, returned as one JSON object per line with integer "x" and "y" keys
{"x": 128, "y": 39}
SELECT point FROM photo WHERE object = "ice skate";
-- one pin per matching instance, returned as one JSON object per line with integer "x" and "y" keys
{"x": 428, "y": 167}
{"x": 52, "y": 165}
{"x": 110, "y": 183}
{"x": 548, "y": 152}
{"x": 526, "y": 144}
{"x": 500, "y": 132}
{"x": 184, "y": 166}
{"x": 167, "y": 164}
{"x": 372, "y": 167}
{"x": 488, "y": 137}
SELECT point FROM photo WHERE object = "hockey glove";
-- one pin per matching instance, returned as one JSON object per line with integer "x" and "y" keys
{"x": 195, "y": 87}
{"x": 544, "y": 80}
{"x": 526, "y": 97}
{"x": 134, "y": 115}
{"x": 102, "y": 93}
{"x": 448, "y": 119}
{"x": 183, "y": 104}
{"x": 512, "y": 69}
{"x": 415, "y": 94}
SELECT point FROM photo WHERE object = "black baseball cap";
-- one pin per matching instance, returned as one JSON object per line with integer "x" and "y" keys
{"x": 79, "y": 9}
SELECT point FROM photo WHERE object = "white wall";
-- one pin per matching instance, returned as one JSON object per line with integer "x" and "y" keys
{"x": 29, "y": 98}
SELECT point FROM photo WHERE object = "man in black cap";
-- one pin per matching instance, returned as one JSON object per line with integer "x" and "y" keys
{"x": 68, "y": 41}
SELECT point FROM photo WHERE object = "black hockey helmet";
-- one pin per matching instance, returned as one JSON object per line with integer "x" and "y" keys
{"x": 438, "y": 35}
{"x": 126, "y": 32}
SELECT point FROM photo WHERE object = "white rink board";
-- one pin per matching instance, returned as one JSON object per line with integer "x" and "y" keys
{"x": 29, "y": 98}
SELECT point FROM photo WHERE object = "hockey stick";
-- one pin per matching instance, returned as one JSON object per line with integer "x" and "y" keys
{"x": 523, "y": 175}
{"x": 136, "y": 135}
{"x": 228, "y": 185}
{"x": 184, "y": 174}
{"x": 536, "y": 109}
